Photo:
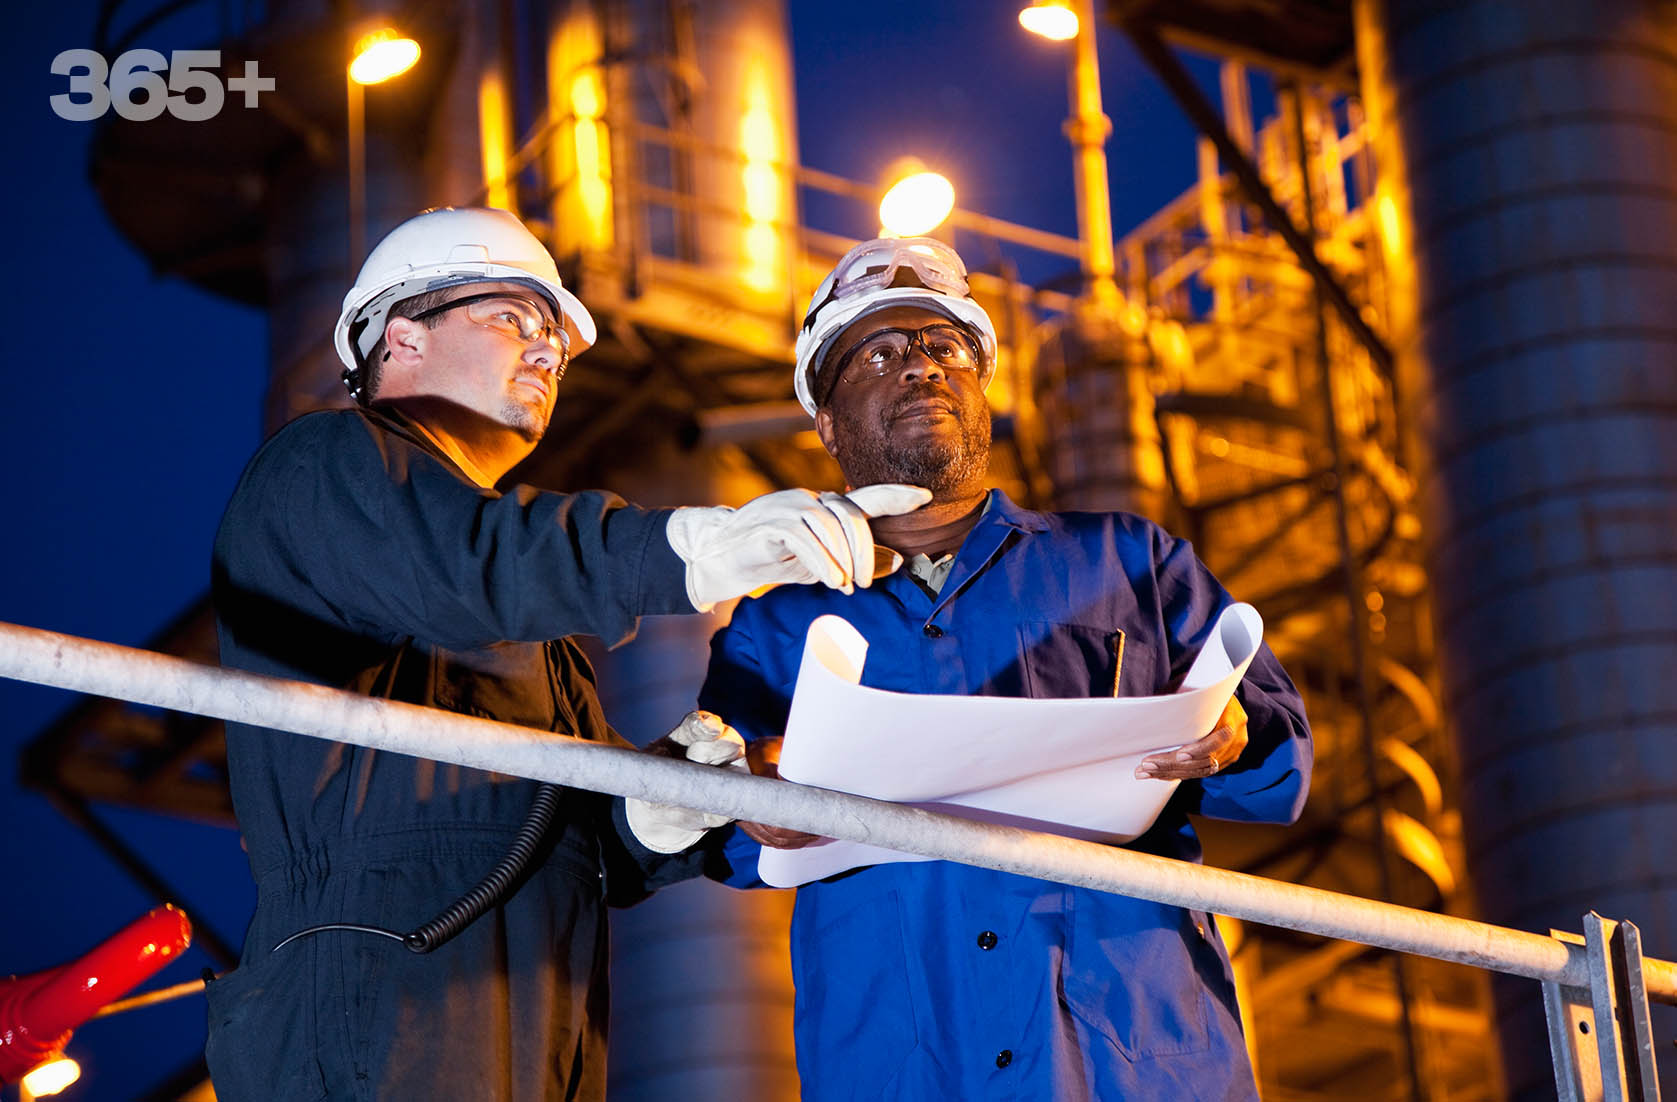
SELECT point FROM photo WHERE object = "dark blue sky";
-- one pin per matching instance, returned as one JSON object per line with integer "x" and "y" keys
{"x": 132, "y": 402}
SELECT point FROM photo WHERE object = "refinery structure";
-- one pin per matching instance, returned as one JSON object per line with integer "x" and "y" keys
{"x": 1398, "y": 363}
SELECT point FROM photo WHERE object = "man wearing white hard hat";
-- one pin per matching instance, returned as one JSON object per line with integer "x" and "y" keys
{"x": 373, "y": 549}
{"x": 934, "y": 980}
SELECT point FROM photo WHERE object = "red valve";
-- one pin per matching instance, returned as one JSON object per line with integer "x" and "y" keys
{"x": 38, "y": 1011}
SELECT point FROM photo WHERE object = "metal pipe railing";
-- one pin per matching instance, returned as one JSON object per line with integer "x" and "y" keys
{"x": 104, "y": 669}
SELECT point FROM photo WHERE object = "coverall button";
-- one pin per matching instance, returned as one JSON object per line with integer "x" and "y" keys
{"x": 1004, "y": 1058}
{"x": 1200, "y": 926}
{"x": 932, "y": 631}
{"x": 987, "y": 940}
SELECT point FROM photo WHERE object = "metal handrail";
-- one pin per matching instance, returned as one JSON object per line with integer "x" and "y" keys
{"x": 104, "y": 669}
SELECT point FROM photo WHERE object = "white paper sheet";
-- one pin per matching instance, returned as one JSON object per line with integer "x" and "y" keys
{"x": 1064, "y": 766}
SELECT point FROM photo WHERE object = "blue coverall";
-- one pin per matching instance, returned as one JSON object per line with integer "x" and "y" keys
{"x": 937, "y": 980}
{"x": 354, "y": 554}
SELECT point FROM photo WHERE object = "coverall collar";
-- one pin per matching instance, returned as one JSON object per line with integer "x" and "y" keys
{"x": 1001, "y": 523}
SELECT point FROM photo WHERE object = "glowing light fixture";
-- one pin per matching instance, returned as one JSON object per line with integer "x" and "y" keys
{"x": 381, "y": 55}
{"x": 495, "y": 138}
{"x": 592, "y": 146}
{"x": 1391, "y": 226}
{"x": 762, "y": 182}
{"x": 916, "y": 204}
{"x": 1087, "y": 129}
{"x": 52, "y": 1077}
{"x": 1050, "y": 20}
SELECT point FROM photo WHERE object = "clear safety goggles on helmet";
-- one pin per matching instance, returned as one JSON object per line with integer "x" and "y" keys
{"x": 900, "y": 262}
{"x": 514, "y": 316}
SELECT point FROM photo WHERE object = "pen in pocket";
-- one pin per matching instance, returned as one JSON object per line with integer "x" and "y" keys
{"x": 1117, "y": 641}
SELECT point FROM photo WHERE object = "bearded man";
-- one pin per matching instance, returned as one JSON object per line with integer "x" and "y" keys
{"x": 931, "y": 980}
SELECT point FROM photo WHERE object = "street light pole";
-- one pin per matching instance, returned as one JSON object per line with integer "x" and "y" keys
{"x": 355, "y": 103}
{"x": 376, "y": 58}
{"x": 1088, "y": 129}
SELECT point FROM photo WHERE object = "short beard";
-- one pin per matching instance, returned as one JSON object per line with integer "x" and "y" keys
{"x": 527, "y": 423}
{"x": 943, "y": 466}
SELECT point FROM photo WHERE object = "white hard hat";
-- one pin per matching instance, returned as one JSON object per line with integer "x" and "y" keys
{"x": 889, "y": 271}
{"x": 443, "y": 248}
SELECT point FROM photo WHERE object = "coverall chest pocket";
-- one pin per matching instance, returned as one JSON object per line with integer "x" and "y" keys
{"x": 1060, "y": 660}
{"x": 510, "y": 682}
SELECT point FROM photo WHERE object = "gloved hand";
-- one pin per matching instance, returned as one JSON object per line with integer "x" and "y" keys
{"x": 788, "y": 536}
{"x": 700, "y": 737}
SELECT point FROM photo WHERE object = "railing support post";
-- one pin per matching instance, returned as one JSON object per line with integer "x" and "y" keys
{"x": 1599, "y": 1035}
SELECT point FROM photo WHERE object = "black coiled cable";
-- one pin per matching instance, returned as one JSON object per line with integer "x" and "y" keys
{"x": 493, "y": 887}
{"x": 480, "y": 897}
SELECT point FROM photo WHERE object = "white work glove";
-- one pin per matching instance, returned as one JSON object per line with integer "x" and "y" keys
{"x": 700, "y": 737}
{"x": 789, "y": 536}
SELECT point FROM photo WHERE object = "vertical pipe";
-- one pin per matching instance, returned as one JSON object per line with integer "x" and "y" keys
{"x": 1529, "y": 231}
{"x": 579, "y": 163}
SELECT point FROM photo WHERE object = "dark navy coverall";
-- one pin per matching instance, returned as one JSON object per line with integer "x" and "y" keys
{"x": 355, "y": 554}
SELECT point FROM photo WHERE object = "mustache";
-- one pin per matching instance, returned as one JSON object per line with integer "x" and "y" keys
{"x": 920, "y": 392}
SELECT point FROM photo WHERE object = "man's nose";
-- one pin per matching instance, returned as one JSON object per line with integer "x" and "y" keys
{"x": 917, "y": 366}
{"x": 542, "y": 354}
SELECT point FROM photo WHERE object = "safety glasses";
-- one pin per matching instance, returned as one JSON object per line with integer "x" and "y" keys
{"x": 514, "y": 316}
{"x": 886, "y": 351}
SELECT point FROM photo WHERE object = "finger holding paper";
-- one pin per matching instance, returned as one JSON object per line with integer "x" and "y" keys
{"x": 1203, "y": 757}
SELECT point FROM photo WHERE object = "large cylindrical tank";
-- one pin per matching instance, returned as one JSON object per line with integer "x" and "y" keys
{"x": 1529, "y": 225}
{"x": 674, "y": 148}
{"x": 701, "y": 982}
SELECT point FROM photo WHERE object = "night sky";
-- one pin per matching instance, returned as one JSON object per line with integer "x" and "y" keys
{"x": 132, "y": 402}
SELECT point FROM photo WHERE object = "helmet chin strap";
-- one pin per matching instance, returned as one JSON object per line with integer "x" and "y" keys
{"x": 354, "y": 377}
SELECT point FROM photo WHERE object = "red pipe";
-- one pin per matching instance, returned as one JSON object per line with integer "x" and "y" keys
{"x": 38, "y": 1011}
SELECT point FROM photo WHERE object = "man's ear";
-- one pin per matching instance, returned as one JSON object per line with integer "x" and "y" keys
{"x": 824, "y": 429}
{"x": 405, "y": 340}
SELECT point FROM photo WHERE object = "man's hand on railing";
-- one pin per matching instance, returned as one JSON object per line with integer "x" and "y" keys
{"x": 1203, "y": 757}
{"x": 764, "y": 758}
{"x": 700, "y": 737}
